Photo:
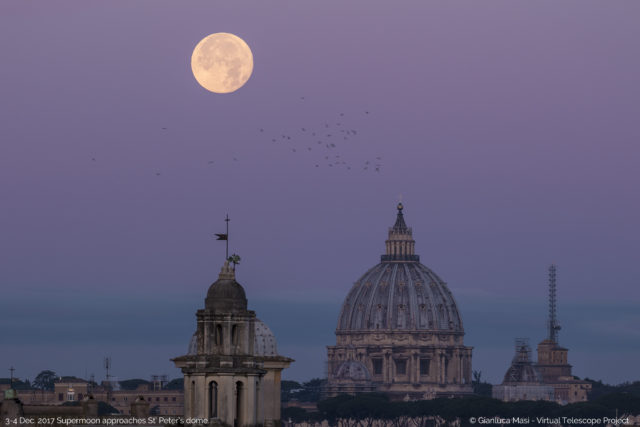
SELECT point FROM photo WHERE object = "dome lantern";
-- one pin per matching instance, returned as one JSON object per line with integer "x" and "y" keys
{"x": 400, "y": 245}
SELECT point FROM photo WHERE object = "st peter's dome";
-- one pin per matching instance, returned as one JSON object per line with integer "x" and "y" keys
{"x": 399, "y": 292}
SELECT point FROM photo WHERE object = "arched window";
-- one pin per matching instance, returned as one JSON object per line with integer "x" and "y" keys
{"x": 213, "y": 399}
{"x": 192, "y": 397}
{"x": 218, "y": 334}
{"x": 238, "y": 419}
{"x": 234, "y": 335}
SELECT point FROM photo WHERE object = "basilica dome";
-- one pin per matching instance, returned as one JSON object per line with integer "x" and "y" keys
{"x": 399, "y": 292}
{"x": 399, "y": 330}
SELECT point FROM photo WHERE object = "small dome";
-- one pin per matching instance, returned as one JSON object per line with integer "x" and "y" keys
{"x": 226, "y": 295}
{"x": 265, "y": 341}
{"x": 352, "y": 370}
{"x": 522, "y": 369}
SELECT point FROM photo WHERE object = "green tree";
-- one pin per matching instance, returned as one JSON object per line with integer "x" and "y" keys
{"x": 286, "y": 389}
{"x": 175, "y": 384}
{"x": 45, "y": 380}
{"x": 133, "y": 384}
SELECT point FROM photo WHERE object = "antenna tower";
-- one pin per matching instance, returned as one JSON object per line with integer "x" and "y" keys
{"x": 107, "y": 366}
{"x": 554, "y": 327}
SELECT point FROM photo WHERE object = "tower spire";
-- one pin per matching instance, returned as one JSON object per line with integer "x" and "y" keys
{"x": 554, "y": 327}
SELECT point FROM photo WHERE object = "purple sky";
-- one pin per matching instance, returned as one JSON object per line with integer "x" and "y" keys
{"x": 510, "y": 128}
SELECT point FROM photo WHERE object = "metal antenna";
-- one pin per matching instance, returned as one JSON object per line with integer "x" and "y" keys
{"x": 12, "y": 369}
{"x": 107, "y": 366}
{"x": 554, "y": 327}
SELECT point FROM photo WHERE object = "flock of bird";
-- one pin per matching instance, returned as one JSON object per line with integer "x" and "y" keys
{"x": 323, "y": 143}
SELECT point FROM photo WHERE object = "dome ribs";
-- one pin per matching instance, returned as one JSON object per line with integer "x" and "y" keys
{"x": 392, "y": 286}
{"x": 400, "y": 296}
{"x": 413, "y": 299}
{"x": 346, "y": 313}
{"x": 375, "y": 320}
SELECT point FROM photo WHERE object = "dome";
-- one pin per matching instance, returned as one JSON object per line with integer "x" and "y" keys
{"x": 522, "y": 369}
{"x": 264, "y": 340}
{"x": 400, "y": 293}
{"x": 226, "y": 295}
{"x": 352, "y": 370}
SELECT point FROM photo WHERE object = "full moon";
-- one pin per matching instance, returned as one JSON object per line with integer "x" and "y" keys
{"x": 222, "y": 62}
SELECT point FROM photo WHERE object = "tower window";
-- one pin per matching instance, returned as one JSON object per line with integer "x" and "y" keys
{"x": 213, "y": 399}
{"x": 234, "y": 334}
{"x": 401, "y": 367}
{"x": 377, "y": 366}
{"x": 424, "y": 367}
{"x": 218, "y": 335}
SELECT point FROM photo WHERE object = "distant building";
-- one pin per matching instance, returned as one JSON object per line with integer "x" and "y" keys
{"x": 556, "y": 372}
{"x": 523, "y": 380}
{"x": 553, "y": 360}
{"x": 399, "y": 331}
{"x": 552, "y": 366}
{"x": 70, "y": 389}
{"x": 232, "y": 368}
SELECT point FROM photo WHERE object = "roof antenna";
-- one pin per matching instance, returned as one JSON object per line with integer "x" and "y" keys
{"x": 554, "y": 327}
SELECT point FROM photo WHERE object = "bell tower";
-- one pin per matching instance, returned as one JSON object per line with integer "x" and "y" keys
{"x": 229, "y": 377}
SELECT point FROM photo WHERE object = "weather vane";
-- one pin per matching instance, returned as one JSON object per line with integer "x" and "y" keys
{"x": 225, "y": 236}
{"x": 235, "y": 259}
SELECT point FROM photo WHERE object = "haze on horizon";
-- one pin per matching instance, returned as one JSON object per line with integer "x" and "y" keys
{"x": 510, "y": 129}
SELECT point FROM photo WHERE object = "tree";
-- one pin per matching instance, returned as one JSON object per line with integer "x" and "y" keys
{"x": 287, "y": 388}
{"x": 45, "y": 380}
{"x": 175, "y": 384}
{"x": 132, "y": 384}
{"x": 479, "y": 387}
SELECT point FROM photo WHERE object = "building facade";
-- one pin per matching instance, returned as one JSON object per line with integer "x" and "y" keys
{"x": 161, "y": 401}
{"x": 399, "y": 330}
{"x": 232, "y": 368}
